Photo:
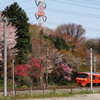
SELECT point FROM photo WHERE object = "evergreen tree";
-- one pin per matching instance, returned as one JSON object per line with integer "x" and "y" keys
{"x": 60, "y": 43}
{"x": 23, "y": 36}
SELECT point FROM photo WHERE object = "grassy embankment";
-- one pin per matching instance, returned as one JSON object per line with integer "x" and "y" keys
{"x": 46, "y": 95}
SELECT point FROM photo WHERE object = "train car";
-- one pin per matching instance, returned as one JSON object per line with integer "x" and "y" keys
{"x": 83, "y": 78}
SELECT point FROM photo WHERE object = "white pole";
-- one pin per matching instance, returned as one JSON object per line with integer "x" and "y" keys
{"x": 5, "y": 57}
{"x": 47, "y": 66}
{"x": 13, "y": 74}
{"x": 94, "y": 64}
{"x": 91, "y": 67}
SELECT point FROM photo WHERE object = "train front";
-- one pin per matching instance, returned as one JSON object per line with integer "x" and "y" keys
{"x": 82, "y": 79}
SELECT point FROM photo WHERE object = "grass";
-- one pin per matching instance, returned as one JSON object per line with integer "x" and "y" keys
{"x": 71, "y": 84}
{"x": 9, "y": 84}
{"x": 47, "y": 95}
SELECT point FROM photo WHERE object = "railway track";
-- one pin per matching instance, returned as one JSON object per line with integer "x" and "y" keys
{"x": 49, "y": 88}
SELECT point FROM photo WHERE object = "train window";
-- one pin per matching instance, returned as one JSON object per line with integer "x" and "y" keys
{"x": 82, "y": 75}
{"x": 99, "y": 78}
{"x": 93, "y": 77}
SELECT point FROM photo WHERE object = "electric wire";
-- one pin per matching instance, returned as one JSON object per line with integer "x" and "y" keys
{"x": 25, "y": 1}
{"x": 74, "y": 13}
{"x": 92, "y": 0}
{"x": 67, "y": 12}
{"x": 74, "y": 4}
{"x": 52, "y": 23}
{"x": 84, "y": 2}
{"x": 5, "y": 1}
{"x": 22, "y": 2}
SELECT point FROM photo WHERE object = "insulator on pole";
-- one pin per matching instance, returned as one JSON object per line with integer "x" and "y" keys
{"x": 37, "y": 3}
{"x": 44, "y": 18}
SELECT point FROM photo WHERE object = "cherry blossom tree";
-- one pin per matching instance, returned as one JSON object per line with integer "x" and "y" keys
{"x": 66, "y": 71}
{"x": 11, "y": 38}
{"x": 11, "y": 42}
{"x": 60, "y": 70}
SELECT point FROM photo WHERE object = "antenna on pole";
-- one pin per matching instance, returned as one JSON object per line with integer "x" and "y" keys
{"x": 40, "y": 15}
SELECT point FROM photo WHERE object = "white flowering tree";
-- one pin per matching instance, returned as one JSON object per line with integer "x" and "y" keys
{"x": 11, "y": 42}
{"x": 11, "y": 38}
{"x": 60, "y": 71}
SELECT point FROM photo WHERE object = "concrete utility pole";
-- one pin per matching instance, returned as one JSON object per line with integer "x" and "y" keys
{"x": 5, "y": 54}
{"x": 47, "y": 67}
{"x": 13, "y": 76}
{"x": 40, "y": 75}
{"x": 5, "y": 57}
{"x": 91, "y": 67}
{"x": 94, "y": 63}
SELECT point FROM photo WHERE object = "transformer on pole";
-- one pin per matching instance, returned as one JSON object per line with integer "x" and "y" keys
{"x": 40, "y": 15}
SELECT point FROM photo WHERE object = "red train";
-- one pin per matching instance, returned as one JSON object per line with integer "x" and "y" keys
{"x": 83, "y": 78}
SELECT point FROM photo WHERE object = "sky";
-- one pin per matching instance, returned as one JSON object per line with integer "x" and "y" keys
{"x": 83, "y": 12}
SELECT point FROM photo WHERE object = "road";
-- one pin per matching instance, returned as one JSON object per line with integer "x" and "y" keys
{"x": 94, "y": 96}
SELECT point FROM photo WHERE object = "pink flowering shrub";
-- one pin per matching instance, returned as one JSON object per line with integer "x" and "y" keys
{"x": 66, "y": 71}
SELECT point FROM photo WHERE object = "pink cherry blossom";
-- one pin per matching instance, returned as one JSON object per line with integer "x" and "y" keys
{"x": 11, "y": 37}
{"x": 66, "y": 71}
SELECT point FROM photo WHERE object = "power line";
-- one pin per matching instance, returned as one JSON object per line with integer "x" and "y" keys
{"x": 69, "y": 12}
{"x": 25, "y": 1}
{"x": 93, "y": 1}
{"x": 85, "y": 2}
{"x": 74, "y": 4}
{"x": 57, "y": 24}
{"x": 73, "y": 13}
{"x": 5, "y": 1}
{"x": 66, "y": 12}
{"x": 30, "y": 8}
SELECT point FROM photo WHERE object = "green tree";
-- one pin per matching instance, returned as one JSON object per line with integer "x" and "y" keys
{"x": 23, "y": 36}
{"x": 60, "y": 44}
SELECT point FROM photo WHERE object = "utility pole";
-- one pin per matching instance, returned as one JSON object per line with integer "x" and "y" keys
{"x": 5, "y": 53}
{"x": 91, "y": 67}
{"x": 13, "y": 76}
{"x": 94, "y": 63}
{"x": 47, "y": 67}
{"x": 40, "y": 75}
{"x": 5, "y": 57}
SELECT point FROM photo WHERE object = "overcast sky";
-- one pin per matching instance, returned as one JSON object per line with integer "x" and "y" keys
{"x": 83, "y": 12}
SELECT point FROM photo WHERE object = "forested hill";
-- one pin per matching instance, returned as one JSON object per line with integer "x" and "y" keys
{"x": 44, "y": 53}
{"x": 68, "y": 42}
